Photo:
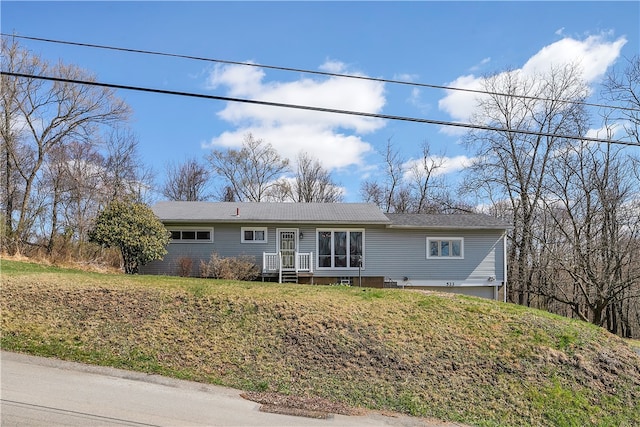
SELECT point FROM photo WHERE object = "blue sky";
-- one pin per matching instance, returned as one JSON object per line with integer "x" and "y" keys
{"x": 437, "y": 43}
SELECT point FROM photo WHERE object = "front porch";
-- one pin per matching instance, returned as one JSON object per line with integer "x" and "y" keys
{"x": 287, "y": 266}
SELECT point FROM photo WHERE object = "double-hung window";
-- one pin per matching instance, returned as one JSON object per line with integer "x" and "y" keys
{"x": 340, "y": 248}
{"x": 445, "y": 247}
{"x": 253, "y": 235}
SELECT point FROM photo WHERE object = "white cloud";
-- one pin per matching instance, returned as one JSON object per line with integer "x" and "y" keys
{"x": 415, "y": 99}
{"x": 613, "y": 131}
{"x": 405, "y": 77}
{"x": 455, "y": 164}
{"x": 18, "y": 124}
{"x": 595, "y": 54}
{"x": 460, "y": 105}
{"x": 334, "y": 150}
{"x": 481, "y": 64}
{"x": 335, "y": 139}
{"x": 241, "y": 80}
{"x": 333, "y": 66}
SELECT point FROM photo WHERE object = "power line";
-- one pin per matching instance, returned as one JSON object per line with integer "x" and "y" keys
{"x": 321, "y": 73}
{"x": 318, "y": 109}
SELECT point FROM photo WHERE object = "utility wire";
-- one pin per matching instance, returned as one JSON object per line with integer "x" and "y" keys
{"x": 321, "y": 73}
{"x": 319, "y": 109}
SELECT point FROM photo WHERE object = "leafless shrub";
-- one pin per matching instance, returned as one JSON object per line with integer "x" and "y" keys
{"x": 207, "y": 267}
{"x": 242, "y": 267}
{"x": 185, "y": 266}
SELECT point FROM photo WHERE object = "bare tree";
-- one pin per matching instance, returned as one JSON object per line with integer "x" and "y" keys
{"x": 187, "y": 181}
{"x": 125, "y": 177}
{"x": 513, "y": 165}
{"x": 253, "y": 173}
{"x": 372, "y": 192}
{"x": 48, "y": 114}
{"x": 227, "y": 194}
{"x": 393, "y": 179}
{"x": 12, "y": 131}
{"x": 83, "y": 181}
{"x": 71, "y": 182}
{"x": 412, "y": 186}
{"x": 594, "y": 209}
{"x": 574, "y": 205}
{"x": 623, "y": 89}
{"x": 593, "y": 202}
{"x": 388, "y": 194}
{"x": 77, "y": 180}
{"x": 313, "y": 183}
{"x": 54, "y": 177}
{"x": 427, "y": 189}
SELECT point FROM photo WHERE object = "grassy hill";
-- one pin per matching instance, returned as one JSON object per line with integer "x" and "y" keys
{"x": 450, "y": 357}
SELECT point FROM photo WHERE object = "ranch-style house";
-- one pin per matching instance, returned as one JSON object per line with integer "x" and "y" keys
{"x": 348, "y": 243}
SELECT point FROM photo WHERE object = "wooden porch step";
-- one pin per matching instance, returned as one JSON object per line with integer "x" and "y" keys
{"x": 289, "y": 277}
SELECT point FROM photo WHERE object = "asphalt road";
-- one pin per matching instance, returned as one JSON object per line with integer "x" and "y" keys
{"x": 47, "y": 392}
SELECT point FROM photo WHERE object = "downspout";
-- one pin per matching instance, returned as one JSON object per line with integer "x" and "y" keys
{"x": 504, "y": 266}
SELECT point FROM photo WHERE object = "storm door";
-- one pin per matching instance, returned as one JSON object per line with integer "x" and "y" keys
{"x": 288, "y": 248}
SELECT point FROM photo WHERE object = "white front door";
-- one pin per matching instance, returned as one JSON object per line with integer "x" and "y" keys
{"x": 287, "y": 246}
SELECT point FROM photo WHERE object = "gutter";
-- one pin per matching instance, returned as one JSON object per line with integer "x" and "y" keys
{"x": 504, "y": 265}
{"x": 447, "y": 227}
{"x": 241, "y": 220}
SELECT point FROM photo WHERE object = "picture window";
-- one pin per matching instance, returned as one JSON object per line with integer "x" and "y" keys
{"x": 340, "y": 248}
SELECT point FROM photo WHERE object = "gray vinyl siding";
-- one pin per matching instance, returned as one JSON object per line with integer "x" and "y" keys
{"x": 388, "y": 252}
{"x": 396, "y": 254}
{"x": 227, "y": 243}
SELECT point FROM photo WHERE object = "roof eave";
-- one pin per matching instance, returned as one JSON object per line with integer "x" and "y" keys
{"x": 449, "y": 227}
{"x": 269, "y": 221}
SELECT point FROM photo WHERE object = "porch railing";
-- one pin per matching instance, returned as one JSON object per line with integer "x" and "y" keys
{"x": 272, "y": 263}
{"x": 304, "y": 262}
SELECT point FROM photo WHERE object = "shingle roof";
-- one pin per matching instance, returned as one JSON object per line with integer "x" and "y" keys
{"x": 333, "y": 213}
{"x": 325, "y": 213}
{"x": 452, "y": 221}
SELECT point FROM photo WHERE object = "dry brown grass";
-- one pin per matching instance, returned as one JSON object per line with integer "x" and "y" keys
{"x": 444, "y": 356}
{"x": 108, "y": 264}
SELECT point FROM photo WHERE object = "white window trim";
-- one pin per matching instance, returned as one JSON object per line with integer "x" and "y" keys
{"x": 317, "y": 255}
{"x": 254, "y": 229}
{"x": 440, "y": 239}
{"x": 195, "y": 229}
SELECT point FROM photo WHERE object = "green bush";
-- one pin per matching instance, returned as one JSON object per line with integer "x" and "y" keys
{"x": 134, "y": 229}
